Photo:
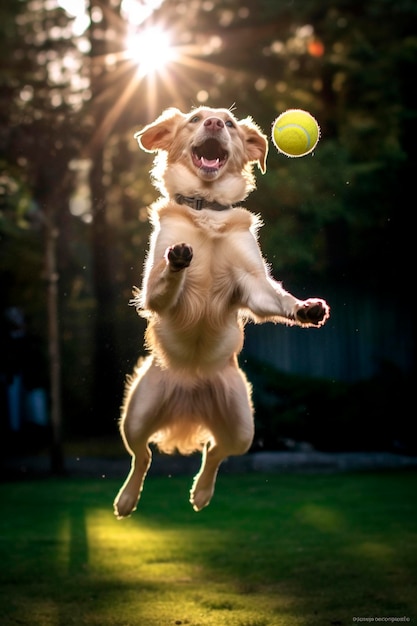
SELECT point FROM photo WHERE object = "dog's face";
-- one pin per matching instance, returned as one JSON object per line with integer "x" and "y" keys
{"x": 207, "y": 152}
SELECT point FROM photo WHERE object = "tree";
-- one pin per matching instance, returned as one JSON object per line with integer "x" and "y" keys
{"x": 38, "y": 144}
{"x": 332, "y": 217}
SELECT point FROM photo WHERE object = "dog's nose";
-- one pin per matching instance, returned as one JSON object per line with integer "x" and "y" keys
{"x": 214, "y": 123}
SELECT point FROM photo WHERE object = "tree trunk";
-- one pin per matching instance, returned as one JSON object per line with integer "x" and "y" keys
{"x": 56, "y": 449}
{"x": 106, "y": 377}
{"x": 106, "y": 398}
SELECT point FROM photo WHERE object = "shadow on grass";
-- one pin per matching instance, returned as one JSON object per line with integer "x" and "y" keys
{"x": 269, "y": 551}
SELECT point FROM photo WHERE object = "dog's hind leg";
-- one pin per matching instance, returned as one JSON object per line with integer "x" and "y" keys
{"x": 232, "y": 431}
{"x": 137, "y": 425}
{"x": 205, "y": 481}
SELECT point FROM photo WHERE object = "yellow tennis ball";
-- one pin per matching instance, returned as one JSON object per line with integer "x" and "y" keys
{"x": 295, "y": 133}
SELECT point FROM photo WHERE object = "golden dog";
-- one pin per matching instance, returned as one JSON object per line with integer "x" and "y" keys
{"x": 204, "y": 276}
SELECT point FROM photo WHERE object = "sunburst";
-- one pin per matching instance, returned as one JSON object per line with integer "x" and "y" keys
{"x": 151, "y": 49}
{"x": 145, "y": 67}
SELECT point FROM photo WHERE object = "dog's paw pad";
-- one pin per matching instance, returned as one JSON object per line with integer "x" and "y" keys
{"x": 313, "y": 312}
{"x": 179, "y": 256}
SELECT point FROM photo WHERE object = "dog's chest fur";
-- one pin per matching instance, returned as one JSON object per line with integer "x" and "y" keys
{"x": 215, "y": 238}
{"x": 203, "y": 326}
{"x": 206, "y": 223}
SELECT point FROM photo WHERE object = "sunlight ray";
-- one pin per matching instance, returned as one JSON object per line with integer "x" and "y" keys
{"x": 107, "y": 123}
{"x": 205, "y": 66}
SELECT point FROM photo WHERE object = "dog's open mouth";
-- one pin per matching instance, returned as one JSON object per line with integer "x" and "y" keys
{"x": 209, "y": 156}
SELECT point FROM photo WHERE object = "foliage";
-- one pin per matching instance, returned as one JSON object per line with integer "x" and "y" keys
{"x": 337, "y": 216}
{"x": 330, "y": 414}
{"x": 271, "y": 550}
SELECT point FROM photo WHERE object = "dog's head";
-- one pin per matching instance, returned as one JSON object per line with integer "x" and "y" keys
{"x": 206, "y": 153}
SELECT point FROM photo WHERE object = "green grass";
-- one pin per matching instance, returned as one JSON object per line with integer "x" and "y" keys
{"x": 271, "y": 550}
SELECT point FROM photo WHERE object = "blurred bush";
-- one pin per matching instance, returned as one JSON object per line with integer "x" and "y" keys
{"x": 291, "y": 410}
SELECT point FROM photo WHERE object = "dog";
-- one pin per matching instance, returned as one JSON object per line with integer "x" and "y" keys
{"x": 204, "y": 277}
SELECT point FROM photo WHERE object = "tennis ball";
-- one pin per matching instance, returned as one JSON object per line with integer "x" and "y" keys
{"x": 295, "y": 133}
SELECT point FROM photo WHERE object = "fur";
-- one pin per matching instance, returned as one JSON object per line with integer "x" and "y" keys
{"x": 189, "y": 394}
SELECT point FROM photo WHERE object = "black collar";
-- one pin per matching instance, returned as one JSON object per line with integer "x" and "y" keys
{"x": 200, "y": 203}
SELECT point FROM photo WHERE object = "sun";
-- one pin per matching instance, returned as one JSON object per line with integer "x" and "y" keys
{"x": 146, "y": 57}
{"x": 151, "y": 49}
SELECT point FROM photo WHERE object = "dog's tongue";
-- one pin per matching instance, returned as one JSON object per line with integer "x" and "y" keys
{"x": 211, "y": 163}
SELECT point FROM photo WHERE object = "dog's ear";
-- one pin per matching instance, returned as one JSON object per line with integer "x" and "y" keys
{"x": 256, "y": 143}
{"x": 159, "y": 135}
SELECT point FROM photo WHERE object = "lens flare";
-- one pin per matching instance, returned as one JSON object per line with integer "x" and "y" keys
{"x": 150, "y": 49}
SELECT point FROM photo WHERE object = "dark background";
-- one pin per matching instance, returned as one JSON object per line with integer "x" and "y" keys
{"x": 338, "y": 224}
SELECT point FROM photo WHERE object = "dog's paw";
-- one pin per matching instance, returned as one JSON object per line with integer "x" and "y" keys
{"x": 124, "y": 504}
{"x": 199, "y": 498}
{"x": 179, "y": 256}
{"x": 202, "y": 490}
{"x": 313, "y": 312}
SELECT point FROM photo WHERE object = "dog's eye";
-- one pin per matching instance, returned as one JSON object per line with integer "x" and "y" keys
{"x": 229, "y": 123}
{"x": 194, "y": 119}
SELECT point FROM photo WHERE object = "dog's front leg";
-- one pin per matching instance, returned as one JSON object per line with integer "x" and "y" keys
{"x": 267, "y": 300}
{"x": 264, "y": 297}
{"x": 165, "y": 279}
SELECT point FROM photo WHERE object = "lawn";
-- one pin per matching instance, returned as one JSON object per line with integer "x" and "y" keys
{"x": 271, "y": 550}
